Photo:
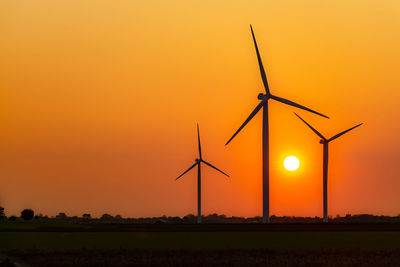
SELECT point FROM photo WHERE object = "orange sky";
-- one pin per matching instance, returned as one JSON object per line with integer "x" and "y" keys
{"x": 100, "y": 99}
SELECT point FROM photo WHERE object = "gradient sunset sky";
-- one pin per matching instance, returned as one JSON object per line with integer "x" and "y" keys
{"x": 99, "y": 102}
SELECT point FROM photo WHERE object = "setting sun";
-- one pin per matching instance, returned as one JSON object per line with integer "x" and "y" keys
{"x": 291, "y": 163}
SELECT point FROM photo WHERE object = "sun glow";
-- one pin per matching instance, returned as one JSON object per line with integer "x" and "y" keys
{"x": 291, "y": 163}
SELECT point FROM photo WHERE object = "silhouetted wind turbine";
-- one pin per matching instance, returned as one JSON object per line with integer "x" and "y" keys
{"x": 198, "y": 162}
{"x": 324, "y": 141}
{"x": 264, "y": 104}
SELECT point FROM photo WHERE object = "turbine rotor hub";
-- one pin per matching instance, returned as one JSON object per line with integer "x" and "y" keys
{"x": 322, "y": 141}
{"x": 261, "y": 96}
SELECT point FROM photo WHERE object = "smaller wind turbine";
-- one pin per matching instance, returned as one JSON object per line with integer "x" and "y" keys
{"x": 324, "y": 141}
{"x": 197, "y": 163}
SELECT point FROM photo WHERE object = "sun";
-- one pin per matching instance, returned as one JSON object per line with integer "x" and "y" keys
{"x": 291, "y": 163}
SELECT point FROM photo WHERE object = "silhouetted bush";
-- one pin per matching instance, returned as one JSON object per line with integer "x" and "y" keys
{"x": 106, "y": 217}
{"x": 61, "y": 216}
{"x": 210, "y": 219}
{"x": 190, "y": 218}
{"x": 27, "y": 214}
{"x": 12, "y": 218}
{"x": 2, "y": 214}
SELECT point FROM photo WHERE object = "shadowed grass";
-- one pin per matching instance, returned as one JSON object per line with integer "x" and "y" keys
{"x": 198, "y": 240}
{"x": 321, "y": 257}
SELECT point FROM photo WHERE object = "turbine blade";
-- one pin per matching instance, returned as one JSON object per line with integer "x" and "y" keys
{"x": 291, "y": 103}
{"x": 187, "y": 170}
{"x": 198, "y": 139}
{"x": 314, "y": 130}
{"x": 209, "y": 164}
{"x": 262, "y": 71}
{"x": 259, "y": 106}
{"x": 342, "y": 133}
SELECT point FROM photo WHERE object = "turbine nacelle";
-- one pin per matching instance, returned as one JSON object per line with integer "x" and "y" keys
{"x": 323, "y": 139}
{"x": 261, "y": 96}
{"x": 199, "y": 160}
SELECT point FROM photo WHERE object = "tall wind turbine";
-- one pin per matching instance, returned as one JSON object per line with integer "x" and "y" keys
{"x": 198, "y": 162}
{"x": 324, "y": 141}
{"x": 265, "y": 146}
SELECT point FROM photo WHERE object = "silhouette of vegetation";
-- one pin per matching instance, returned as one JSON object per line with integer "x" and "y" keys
{"x": 86, "y": 216}
{"x": 207, "y": 219}
{"x": 2, "y": 214}
{"x": 61, "y": 216}
{"x": 106, "y": 217}
{"x": 27, "y": 214}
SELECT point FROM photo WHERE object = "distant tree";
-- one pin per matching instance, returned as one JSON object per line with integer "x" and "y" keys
{"x": 118, "y": 217}
{"x": 12, "y": 218}
{"x": 2, "y": 214}
{"x": 40, "y": 216}
{"x": 160, "y": 221}
{"x": 175, "y": 219}
{"x": 61, "y": 216}
{"x": 27, "y": 214}
{"x": 190, "y": 218}
{"x": 106, "y": 216}
{"x": 273, "y": 218}
{"x": 215, "y": 218}
{"x": 43, "y": 217}
{"x": 86, "y": 216}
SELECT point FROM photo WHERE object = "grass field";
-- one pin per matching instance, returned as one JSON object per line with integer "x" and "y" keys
{"x": 65, "y": 244}
{"x": 197, "y": 240}
{"x": 210, "y": 258}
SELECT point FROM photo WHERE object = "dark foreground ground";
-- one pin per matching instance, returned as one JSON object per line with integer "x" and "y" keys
{"x": 33, "y": 226}
{"x": 200, "y": 245}
{"x": 211, "y": 258}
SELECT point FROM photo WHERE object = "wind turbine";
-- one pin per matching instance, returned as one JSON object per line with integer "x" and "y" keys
{"x": 265, "y": 146}
{"x": 324, "y": 141}
{"x": 198, "y": 162}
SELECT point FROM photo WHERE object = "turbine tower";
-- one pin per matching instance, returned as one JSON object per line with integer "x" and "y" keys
{"x": 198, "y": 162}
{"x": 265, "y": 136}
{"x": 324, "y": 141}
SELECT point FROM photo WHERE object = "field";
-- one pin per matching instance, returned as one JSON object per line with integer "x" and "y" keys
{"x": 198, "y": 240}
{"x": 211, "y": 258}
{"x": 207, "y": 245}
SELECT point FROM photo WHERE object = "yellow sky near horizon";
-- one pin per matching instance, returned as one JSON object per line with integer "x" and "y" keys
{"x": 99, "y": 102}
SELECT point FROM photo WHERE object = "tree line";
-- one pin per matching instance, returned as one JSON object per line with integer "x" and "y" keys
{"x": 29, "y": 214}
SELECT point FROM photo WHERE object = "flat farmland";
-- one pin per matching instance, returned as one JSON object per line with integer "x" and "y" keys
{"x": 324, "y": 257}
{"x": 62, "y": 244}
{"x": 198, "y": 240}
